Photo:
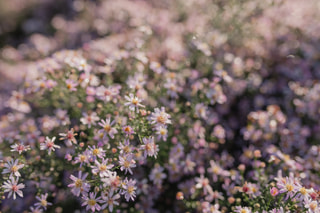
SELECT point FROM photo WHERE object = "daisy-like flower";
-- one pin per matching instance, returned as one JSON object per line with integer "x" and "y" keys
{"x": 287, "y": 185}
{"x": 312, "y": 206}
{"x": 49, "y": 145}
{"x": 43, "y": 201}
{"x": 103, "y": 169}
{"x": 79, "y": 184}
{"x": 125, "y": 148}
{"x": 203, "y": 183}
{"x": 160, "y": 117}
{"x": 69, "y": 137}
{"x": 82, "y": 158}
{"x": 96, "y": 152}
{"x": 71, "y": 85}
{"x": 92, "y": 202}
{"x": 19, "y": 148}
{"x": 157, "y": 175}
{"x": 112, "y": 181}
{"x": 13, "y": 167}
{"x": 162, "y": 132}
{"x": 128, "y": 130}
{"x": 110, "y": 199}
{"x": 107, "y": 128}
{"x": 13, "y": 187}
{"x": 150, "y": 148}
{"x": 89, "y": 119}
{"x": 35, "y": 210}
{"x": 127, "y": 162}
{"x": 133, "y": 102}
{"x": 129, "y": 189}
{"x": 240, "y": 209}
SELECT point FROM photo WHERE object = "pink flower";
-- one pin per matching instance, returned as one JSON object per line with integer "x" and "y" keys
{"x": 71, "y": 85}
{"x": 133, "y": 102}
{"x": 49, "y": 145}
{"x": 107, "y": 128}
{"x": 150, "y": 148}
{"x": 13, "y": 187}
{"x": 274, "y": 191}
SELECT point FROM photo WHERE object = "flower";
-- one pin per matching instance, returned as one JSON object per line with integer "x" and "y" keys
{"x": 133, "y": 102}
{"x": 71, "y": 85}
{"x": 110, "y": 200}
{"x": 240, "y": 209}
{"x": 92, "y": 202}
{"x": 79, "y": 184}
{"x": 43, "y": 201}
{"x": 49, "y": 145}
{"x": 157, "y": 175}
{"x": 19, "y": 148}
{"x": 287, "y": 185}
{"x": 89, "y": 119}
{"x": 107, "y": 128}
{"x": 160, "y": 117}
{"x": 69, "y": 137}
{"x": 12, "y": 167}
{"x": 128, "y": 130}
{"x": 101, "y": 168}
{"x": 127, "y": 162}
{"x": 129, "y": 189}
{"x": 274, "y": 191}
{"x": 13, "y": 187}
{"x": 149, "y": 147}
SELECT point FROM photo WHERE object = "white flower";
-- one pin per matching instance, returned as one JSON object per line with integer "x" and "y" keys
{"x": 133, "y": 102}
{"x": 49, "y": 145}
{"x": 13, "y": 187}
{"x": 12, "y": 167}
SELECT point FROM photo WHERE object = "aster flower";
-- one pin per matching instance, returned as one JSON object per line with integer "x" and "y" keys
{"x": 103, "y": 169}
{"x": 150, "y": 148}
{"x": 69, "y": 137}
{"x": 13, "y": 187}
{"x": 240, "y": 209}
{"x": 49, "y": 145}
{"x": 162, "y": 132}
{"x": 89, "y": 119}
{"x": 203, "y": 183}
{"x": 287, "y": 185}
{"x": 79, "y": 184}
{"x": 129, "y": 189}
{"x": 160, "y": 117}
{"x": 127, "y": 162}
{"x": 125, "y": 147}
{"x": 19, "y": 148}
{"x": 133, "y": 102}
{"x": 43, "y": 201}
{"x": 82, "y": 158}
{"x": 35, "y": 210}
{"x": 312, "y": 206}
{"x": 71, "y": 85}
{"x": 12, "y": 167}
{"x": 112, "y": 181}
{"x": 157, "y": 175}
{"x": 107, "y": 128}
{"x": 96, "y": 152}
{"x": 128, "y": 130}
{"x": 110, "y": 200}
{"x": 92, "y": 202}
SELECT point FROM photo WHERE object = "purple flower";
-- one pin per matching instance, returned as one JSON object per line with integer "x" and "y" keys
{"x": 79, "y": 184}
{"x": 92, "y": 202}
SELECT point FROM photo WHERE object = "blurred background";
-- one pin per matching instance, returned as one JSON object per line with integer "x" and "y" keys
{"x": 270, "y": 30}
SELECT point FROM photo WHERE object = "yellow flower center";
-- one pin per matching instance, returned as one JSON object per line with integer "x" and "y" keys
{"x": 289, "y": 187}
{"x": 44, "y": 203}
{"x": 107, "y": 128}
{"x": 161, "y": 119}
{"x": 134, "y": 101}
{"x": 95, "y": 151}
{"x": 78, "y": 183}
{"x": 91, "y": 202}
{"x": 103, "y": 168}
{"x": 14, "y": 168}
{"x": 130, "y": 189}
{"x": 303, "y": 191}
